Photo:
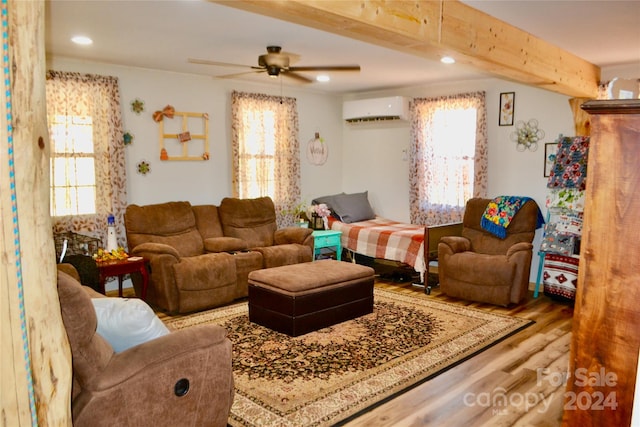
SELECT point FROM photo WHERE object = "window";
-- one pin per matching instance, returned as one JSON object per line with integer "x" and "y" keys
{"x": 257, "y": 154}
{"x": 266, "y": 151}
{"x": 88, "y": 175}
{"x": 454, "y": 158}
{"x": 448, "y": 156}
{"x": 73, "y": 183}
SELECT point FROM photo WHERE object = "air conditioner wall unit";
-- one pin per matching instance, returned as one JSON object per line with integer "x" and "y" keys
{"x": 389, "y": 108}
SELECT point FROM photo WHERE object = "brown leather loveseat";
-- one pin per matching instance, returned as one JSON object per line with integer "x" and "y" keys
{"x": 200, "y": 256}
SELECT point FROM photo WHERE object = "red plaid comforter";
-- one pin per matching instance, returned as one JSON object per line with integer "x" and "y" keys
{"x": 385, "y": 239}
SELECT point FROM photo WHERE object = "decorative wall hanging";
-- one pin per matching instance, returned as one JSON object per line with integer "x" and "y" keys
{"x": 527, "y": 135}
{"x": 127, "y": 138}
{"x": 184, "y": 137}
{"x": 137, "y": 106}
{"x": 181, "y": 138}
{"x": 317, "y": 150}
{"x": 143, "y": 167}
{"x": 507, "y": 104}
{"x": 168, "y": 112}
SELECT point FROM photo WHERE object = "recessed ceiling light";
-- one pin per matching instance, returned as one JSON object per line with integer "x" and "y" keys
{"x": 447, "y": 60}
{"x": 323, "y": 78}
{"x": 83, "y": 40}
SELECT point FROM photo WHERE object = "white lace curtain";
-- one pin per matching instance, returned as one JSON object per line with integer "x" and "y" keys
{"x": 266, "y": 151}
{"x": 96, "y": 98}
{"x": 444, "y": 171}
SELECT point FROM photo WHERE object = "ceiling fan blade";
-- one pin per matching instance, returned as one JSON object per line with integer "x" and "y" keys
{"x": 327, "y": 68}
{"x": 293, "y": 57}
{"x": 276, "y": 62}
{"x": 216, "y": 63}
{"x": 295, "y": 76}
{"x": 234, "y": 75}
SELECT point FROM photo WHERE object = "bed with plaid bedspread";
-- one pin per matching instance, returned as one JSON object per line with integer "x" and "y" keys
{"x": 386, "y": 239}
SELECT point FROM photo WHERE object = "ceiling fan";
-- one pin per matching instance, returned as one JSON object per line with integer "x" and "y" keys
{"x": 274, "y": 63}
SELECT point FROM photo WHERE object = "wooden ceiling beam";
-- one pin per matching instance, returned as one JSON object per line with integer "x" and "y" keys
{"x": 432, "y": 29}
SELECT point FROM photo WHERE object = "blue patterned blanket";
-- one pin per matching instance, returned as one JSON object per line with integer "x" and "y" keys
{"x": 500, "y": 211}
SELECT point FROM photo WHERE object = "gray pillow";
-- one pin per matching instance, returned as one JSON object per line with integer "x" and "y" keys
{"x": 327, "y": 200}
{"x": 352, "y": 207}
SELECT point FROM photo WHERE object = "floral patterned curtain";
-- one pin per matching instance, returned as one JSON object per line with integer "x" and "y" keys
{"x": 266, "y": 151}
{"x": 98, "y": 99}
{"x": 444, "y": 174}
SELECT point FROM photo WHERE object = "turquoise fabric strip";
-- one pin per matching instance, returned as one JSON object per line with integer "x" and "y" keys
{"x": 14, "y": 211}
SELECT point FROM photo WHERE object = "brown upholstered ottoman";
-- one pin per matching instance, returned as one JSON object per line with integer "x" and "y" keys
{"x": 300, "y": 298}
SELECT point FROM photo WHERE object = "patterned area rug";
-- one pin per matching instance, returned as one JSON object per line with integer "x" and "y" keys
{"x": 329, "y": 376}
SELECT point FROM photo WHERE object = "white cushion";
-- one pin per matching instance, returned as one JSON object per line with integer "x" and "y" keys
{"x": 127, "y": 322}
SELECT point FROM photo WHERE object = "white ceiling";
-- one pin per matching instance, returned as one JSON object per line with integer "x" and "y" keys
{"x": 163, "y": 34}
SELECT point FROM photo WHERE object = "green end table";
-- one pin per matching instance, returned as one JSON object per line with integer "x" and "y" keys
{"x": 327, "y": 239}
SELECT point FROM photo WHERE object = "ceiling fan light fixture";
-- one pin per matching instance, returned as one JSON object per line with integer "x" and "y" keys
{"x": 273, "y": 71}
{"x": 447, "y": 60}
{"x": 275, "y": 62}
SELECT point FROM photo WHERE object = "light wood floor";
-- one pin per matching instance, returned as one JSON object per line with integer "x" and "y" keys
{"x": 517, "y": 382}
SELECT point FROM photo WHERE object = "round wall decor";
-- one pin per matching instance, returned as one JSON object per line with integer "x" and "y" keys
{"x": 317, "y": 150}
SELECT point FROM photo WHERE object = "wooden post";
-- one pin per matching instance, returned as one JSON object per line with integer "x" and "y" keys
{"x": 605, "y": 338}
{"x": 581, "y": 119}
{"x": 35, "y": 359}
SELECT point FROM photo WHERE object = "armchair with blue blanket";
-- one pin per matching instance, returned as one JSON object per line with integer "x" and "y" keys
{"x": 491, "y": 261}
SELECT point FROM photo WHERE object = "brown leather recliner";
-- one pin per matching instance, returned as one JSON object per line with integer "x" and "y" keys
{"x": 182, "y": 378}
{"x": 480, "y": 266}
{"x": 254, "y": 221}
{"x": 184, "y": 276}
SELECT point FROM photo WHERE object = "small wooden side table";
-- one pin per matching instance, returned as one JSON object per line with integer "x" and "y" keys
{"x": 327, "y": 239}
{"x": 119, "y": 268}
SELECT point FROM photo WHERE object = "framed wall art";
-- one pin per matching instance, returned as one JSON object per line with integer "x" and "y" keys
{"x": 507, "y": 101}
{"x": 550, "y": 150}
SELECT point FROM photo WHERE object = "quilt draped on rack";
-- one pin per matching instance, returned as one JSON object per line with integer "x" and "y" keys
{"x": 560, "y": 275}
{"x": 560, "y": 247}
{"x": 570, "y": 167}
{"x": 500, "y": 211}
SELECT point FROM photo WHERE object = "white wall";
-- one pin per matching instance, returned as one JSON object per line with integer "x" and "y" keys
{"x": 374, "y": 160}
{"x": 208, "y": 181}
{"x": 381, "y": 146}
{"x": 623, "y": 71}
{"x": 374, "y": 156}
{"x": 202, "y": 182}
{"x": 363, "y": 157}
{"x": 374, "y": 153}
